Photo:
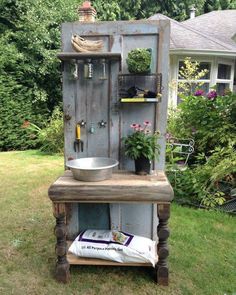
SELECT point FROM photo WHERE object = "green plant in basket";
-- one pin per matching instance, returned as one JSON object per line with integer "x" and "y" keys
{"x": 141, "y": 143}
{"x": 139, "y": 60}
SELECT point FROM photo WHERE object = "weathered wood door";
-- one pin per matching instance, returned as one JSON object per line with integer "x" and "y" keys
{"x": 95, "y": 100}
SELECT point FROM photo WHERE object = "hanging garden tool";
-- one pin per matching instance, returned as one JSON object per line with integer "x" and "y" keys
{"x": 78, "y": 142}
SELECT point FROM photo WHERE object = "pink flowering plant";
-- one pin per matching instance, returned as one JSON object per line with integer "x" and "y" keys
{"x": 142, "y": 143}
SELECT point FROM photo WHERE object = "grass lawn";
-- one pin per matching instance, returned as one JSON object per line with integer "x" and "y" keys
{"x": 202, "y": 244}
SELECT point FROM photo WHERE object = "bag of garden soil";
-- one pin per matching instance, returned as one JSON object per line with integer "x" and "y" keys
{"x": 114, "y": 245}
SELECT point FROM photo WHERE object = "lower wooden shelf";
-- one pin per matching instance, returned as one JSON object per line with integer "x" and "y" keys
{"x": 75, "y": 260}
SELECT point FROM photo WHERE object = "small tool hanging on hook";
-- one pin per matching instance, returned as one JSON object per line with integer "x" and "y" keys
{"x": 78, "y": 142}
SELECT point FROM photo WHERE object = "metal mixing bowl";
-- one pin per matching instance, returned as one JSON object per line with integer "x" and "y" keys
{"x": 92, "y": 169}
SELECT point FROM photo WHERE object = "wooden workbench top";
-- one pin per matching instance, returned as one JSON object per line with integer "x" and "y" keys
{"x": 124, "y": 187}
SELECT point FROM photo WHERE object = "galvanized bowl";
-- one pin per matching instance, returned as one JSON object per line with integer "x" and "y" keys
{"x": 92, "y": 169}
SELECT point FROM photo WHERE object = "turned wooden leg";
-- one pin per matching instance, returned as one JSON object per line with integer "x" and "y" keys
{"x": 163, "y": 213}
{"x": 62, "y": 273}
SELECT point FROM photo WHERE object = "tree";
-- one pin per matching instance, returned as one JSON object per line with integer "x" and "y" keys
{"x": 30, "y": 38}
{"x": 29, "y": 68}
{"x": 117, "y": 10}
{"x": 176, "y": 9}
{"x": 211, "y": 5}
{"x": 191, "y": 73}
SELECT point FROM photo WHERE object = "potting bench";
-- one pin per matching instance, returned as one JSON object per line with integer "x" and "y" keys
{"x": 95, "y": 102}
{"x": 123, "y": 187}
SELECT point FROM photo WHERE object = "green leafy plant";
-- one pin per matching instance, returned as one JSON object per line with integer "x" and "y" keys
{"x": 30, "y": 85}
{"x": 212, "y": 200}
{"x": 209, "y": 121}
{"x": 191, "y": 187}
{"x": 190, "y": 72}
{"x": 51, "y": 137}
{"x": 139, "y": 60}
{"x": 16, "y": 113}
{"x": 141, "y": 142}
{"x": 207, "y": 183}
{"x": 211, "y": 174}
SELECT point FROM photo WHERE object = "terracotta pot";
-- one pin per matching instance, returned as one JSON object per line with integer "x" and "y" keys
{"x": 142, "y": 166}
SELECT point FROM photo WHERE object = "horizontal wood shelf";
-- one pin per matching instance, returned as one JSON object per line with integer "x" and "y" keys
{"x": 123, "y": 187}
{"x": 85, "y": 55}
{"x": 139, "y": 99}
{"x": 75, "y": 260}
{"x": 137, "y": 74}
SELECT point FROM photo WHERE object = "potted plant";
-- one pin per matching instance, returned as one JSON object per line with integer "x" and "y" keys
{"x": 142, "y": 147}
{"x": 139, "y": 60}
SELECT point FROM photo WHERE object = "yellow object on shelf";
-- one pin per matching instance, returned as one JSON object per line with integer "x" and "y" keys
{"x": 139, "y": 99}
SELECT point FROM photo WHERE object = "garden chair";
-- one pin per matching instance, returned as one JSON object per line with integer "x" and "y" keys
{"x": 180, "y": 150}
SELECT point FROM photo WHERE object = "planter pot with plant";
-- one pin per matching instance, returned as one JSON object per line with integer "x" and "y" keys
{"x": 139, "y": 60}
{"x": 142, "y": 147}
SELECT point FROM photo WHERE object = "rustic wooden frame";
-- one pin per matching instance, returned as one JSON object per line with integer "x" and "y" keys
{"x": 66, "y": 191}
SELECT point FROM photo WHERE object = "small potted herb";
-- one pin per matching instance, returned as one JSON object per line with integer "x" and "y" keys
{"x": 139, "y": 60}
{"x": 142, "y": 147}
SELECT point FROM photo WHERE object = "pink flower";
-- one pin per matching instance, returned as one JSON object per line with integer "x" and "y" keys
{"x": 199, "y": 92}
{"x": 212, "y": 95}
{"x": 138, "y": 128}
{"x": 146, "y": 123}
{"x": 134, "y": 125}
{"x": 168, "y": 135}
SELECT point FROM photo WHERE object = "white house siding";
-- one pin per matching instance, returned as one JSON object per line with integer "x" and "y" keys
{"x": 213, "y": 60}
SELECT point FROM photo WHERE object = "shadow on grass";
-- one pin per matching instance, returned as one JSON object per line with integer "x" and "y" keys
{"x": 134, "y": 274}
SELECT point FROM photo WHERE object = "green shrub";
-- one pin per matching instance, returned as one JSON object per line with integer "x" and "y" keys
{"x": 210, "y": 121}
{"x": 51, "y": 137}
{"x": 190, "y": 72}
{"x": 206, "y": 184}
{"x": 16, "y": 113}
{"x": 30, "y": 86}
{"x": 139, "y": 60}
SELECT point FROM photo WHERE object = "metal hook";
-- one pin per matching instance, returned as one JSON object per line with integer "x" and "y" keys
{"x": 102, "y": 124}
{"x": 82, "y": 123}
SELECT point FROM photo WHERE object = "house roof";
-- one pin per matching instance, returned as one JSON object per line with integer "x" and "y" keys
{"x": 220, "y": 24}
{"x": 186, "y": 37}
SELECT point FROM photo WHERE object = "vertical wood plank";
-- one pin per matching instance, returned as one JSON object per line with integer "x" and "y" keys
{"x": 115, "y": 44}
{"x": 163, "y": 67}
{"x": 115, "y": 216}
{"x": 97, "y": 110}
{"x": 81, "y": 110}
{"x": 137, "y": 219}
{"x": 72, "y": 220}
{"x": 68, "y": 100}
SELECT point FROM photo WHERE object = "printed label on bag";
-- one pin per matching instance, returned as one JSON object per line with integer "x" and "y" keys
{"x": 106, "y": 237}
